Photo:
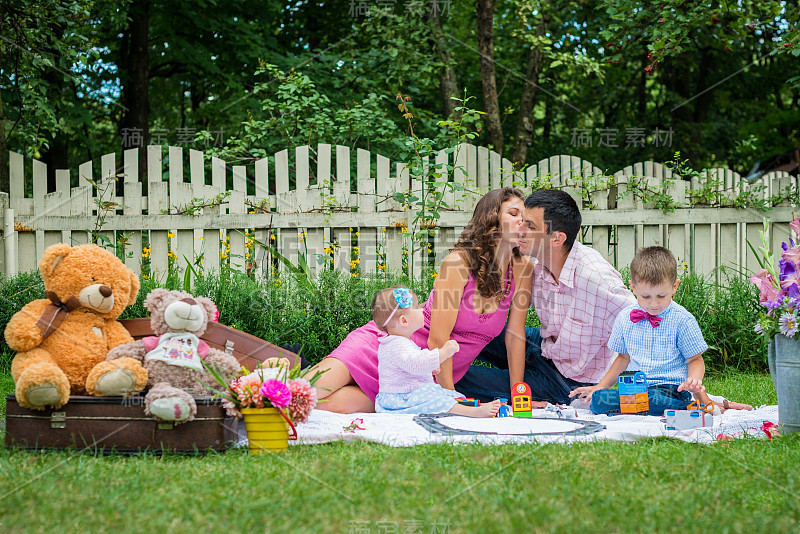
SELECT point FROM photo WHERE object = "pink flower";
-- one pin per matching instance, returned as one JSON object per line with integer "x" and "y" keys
{"x": 792, "y": 255}
{"x": 230, "y": 409}
{"x": 795, "y": 225}
{"x": 766, "y": 285}
{"x": 304, "y": 399}
{"x": 276, "y": 393}
{"x": 770, "y": 429}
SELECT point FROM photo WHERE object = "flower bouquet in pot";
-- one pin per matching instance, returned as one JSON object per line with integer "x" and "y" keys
{"x": 272, "y": 399}
{"x": 780, "y": 296}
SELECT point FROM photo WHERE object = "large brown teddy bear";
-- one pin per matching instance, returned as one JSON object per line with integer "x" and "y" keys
{"x": 174, "y": 356}
{"x": 62, "y": 341}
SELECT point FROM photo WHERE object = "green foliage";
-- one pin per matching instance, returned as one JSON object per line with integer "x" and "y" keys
{"x": 319, "y": 313}
{"x": 42, "y": 47}
{"x": 294, "y": 112}
{"x": 15, "y": 292}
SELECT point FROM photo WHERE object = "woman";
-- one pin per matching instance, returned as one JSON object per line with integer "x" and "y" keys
{"x": 483, "y": 284}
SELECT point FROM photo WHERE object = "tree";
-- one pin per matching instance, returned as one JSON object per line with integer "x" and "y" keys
{"x": 494, "y": 128}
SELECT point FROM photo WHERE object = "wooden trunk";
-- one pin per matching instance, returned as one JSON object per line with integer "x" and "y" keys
{"x": 120, "y": 424}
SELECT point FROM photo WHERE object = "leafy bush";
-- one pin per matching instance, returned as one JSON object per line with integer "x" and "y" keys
{"x": 321, "y": 314}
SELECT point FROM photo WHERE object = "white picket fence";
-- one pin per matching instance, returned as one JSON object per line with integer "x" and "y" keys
{"x": 304, "y": 200}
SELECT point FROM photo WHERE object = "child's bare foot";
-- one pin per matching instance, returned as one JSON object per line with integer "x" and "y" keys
{"x": 487, "y": 409}
{"x": 730, "y": 405}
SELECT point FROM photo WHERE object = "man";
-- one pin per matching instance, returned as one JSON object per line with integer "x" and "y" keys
{"x": 577, "y": 295}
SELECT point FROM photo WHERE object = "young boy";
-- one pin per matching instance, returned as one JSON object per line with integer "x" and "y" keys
{"x": 659, "y": 336}
{"x": 405, "y": 371}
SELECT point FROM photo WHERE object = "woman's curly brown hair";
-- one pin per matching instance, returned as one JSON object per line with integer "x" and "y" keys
{"x": 477, "y": 241}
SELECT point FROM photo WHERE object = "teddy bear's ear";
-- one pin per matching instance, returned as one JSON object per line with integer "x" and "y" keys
{"x": 210, "y": 307}
{"x": 135, "y": 285}
{"x": 155, "y": 298}
{"x": 52, "y": 257}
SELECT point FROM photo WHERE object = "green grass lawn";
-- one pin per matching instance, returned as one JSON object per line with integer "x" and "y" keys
{"x": 656, "y": 484}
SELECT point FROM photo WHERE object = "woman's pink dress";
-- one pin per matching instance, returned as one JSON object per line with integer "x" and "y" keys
{"x": 473, "y": 331}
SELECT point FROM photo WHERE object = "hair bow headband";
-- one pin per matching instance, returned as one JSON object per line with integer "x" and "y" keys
{"x": 403, "y": 298}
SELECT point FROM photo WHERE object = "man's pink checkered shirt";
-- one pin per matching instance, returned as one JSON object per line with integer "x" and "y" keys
{"x": 578, "y": 313}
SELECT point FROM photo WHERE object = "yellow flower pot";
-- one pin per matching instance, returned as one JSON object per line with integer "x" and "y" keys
{"x": 267, "y": 430}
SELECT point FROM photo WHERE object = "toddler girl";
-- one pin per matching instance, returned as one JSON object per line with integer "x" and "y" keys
{"x": 405, "y": 371}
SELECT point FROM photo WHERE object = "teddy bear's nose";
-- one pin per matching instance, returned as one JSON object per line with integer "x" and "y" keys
{"x": 105, "y": 291}
{"x": 189, "y": 301}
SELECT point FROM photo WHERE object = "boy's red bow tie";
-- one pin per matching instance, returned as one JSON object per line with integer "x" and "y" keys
{"x": 641, "y": 315}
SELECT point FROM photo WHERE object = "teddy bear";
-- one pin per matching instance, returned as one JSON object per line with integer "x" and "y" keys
{"x": 62, "y": 341}
{"x": 173, "y": 356}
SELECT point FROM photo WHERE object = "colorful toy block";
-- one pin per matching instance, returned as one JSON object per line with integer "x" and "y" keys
{"x": 521, "y": 400}
{"x": 633, "y": 393}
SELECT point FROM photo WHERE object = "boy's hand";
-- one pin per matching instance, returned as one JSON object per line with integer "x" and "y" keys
{"x": 584, "y": 392}
{"x": 437, "y": 371}
{"x": 692, "y": 385}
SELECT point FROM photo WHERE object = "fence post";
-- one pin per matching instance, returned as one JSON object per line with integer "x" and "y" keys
{"x": 10, "y": 238}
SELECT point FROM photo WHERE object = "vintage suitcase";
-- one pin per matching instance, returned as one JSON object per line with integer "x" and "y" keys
{"x": 120, "y": 424}
{"x": 117, "y": 424}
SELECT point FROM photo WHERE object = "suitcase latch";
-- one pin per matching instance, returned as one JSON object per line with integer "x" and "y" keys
{"x": 229, "y": 347}
{"x": 58, "y": 420}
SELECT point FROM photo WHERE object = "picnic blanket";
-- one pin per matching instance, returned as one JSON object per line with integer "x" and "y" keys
{"x": 546, "y": 426}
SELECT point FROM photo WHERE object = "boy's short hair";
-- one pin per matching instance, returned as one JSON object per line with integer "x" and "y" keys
{"x": 561, "y": 213}
{"x": 383, "y": 303}
{"x": 654, "y": 265}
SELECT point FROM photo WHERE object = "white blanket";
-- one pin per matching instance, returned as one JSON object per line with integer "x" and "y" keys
{"x": 403, "y": 431}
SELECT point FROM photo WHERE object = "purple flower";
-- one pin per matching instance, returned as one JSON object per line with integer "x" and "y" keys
{"x": 276, "y": 392}
{"x": 788, "y": 324}
{"x": 789, "y": 274}
{"x": 793, "y": 293}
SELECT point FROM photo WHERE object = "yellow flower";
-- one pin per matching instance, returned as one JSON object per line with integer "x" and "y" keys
{"x": 358, "y": 234}
{"x": 146, "y": 276}
{"x": 383, "y": 230}
{"x": 405, "y": 252}
{"x": 200, "y": 238}
{"x": 201, "y": 262}
{"x": 170, "y": 234}
{"x": 272, "y": 237}
{"x": 355, "y": 275}
{"x": 248, "y": 255}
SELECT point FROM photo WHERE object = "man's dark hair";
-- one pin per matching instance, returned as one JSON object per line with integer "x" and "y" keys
{"x": 561, "y": 213}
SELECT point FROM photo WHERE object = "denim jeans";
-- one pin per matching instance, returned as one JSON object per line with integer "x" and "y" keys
{"x": 662, "y": 397}
{"x": 487, "y": 384}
